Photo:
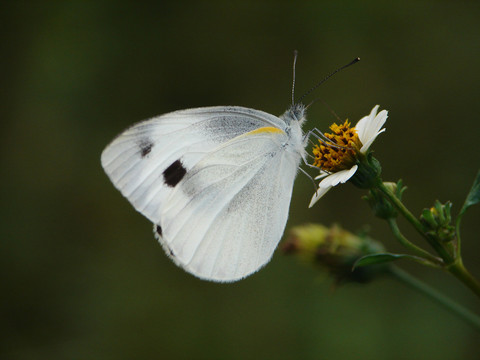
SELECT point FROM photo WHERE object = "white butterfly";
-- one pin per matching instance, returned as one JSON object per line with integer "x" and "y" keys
{"x": 216, "y": 182}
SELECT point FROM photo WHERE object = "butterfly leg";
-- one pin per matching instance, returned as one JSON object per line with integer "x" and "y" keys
{"x": 316, "y": 134}
{"x": 322, "y": 173}
{"x": 321, "y": 139}
{"x": 308, "y": 175}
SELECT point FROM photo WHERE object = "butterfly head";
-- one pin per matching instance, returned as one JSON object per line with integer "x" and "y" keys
{"x": 296, "y": 112}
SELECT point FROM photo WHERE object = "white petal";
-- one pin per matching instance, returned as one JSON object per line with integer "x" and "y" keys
{"x": 362, "y": 124}
{"x": 322, "y": 175}
{"x": 318, "y": 194}
{"x": 365, "y": 147}
{"x": 367, "y": 125}
{"x": 368, "y": 128}
{"x": 338, "y": 177}
{"x": 371, "y": 129}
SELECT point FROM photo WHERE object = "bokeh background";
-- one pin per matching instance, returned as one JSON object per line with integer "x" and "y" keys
{"x": 83, "y": 277}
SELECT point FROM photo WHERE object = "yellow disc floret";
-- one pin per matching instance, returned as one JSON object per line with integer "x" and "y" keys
{"x": 340, "y": 152}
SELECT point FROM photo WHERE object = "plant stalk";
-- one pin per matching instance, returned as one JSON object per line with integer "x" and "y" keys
{"x": 409, "y": 245}
{"x": 447, "y": 258}
{"x": 436, "y": 296}
{"x": 458, "y": 270}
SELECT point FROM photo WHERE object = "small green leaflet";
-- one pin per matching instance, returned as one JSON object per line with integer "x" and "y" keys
{"x": 473, "y": 196}
{"x": 382, "y": 258}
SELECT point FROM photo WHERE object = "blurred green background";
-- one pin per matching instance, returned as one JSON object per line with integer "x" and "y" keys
{"x": 83, "y": 277}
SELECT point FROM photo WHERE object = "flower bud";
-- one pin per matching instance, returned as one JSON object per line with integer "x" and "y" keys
{"x": 380, "y": 205}
{"x": 334, "y": 250}
{"x": 438, "y": 221}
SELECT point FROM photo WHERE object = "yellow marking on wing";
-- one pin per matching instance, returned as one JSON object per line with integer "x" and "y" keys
{"x": 266, "y": 129}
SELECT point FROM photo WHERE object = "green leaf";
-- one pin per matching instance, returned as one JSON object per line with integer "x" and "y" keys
{"x": 473, "y": 196}
{"x": 382, "y": 258}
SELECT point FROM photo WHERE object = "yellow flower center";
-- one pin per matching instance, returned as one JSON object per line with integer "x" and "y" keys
{"x": 340, "y": 152}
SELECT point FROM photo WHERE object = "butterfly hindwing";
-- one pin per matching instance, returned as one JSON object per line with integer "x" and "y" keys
{"x": 225, "y": 218}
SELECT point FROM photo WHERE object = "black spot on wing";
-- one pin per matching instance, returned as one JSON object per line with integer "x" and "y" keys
{"x": 158, "y": 230}
{"x": 174, "y": 173}
{"x": 145, "y": 147}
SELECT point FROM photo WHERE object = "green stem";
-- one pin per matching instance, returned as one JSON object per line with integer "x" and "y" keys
{"x": 459, "y": 239}
{"x": 453, "y": 265}
{"x": 409, "y": 245}
{"x": 436, "y": 296}
{"x": 458, "y": 270}
{"x": 415, "y": 222}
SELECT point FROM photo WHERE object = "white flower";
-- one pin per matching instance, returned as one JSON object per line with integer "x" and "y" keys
{"x": 336, "y": 159}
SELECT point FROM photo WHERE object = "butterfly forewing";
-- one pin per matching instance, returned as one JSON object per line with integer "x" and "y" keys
{"x": 136, "y": 160}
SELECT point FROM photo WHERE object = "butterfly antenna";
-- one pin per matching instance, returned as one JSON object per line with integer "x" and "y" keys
{"x": 295, "y": 54}
{"x": 354, "y": 61}
{"x": 327, "y": 106}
